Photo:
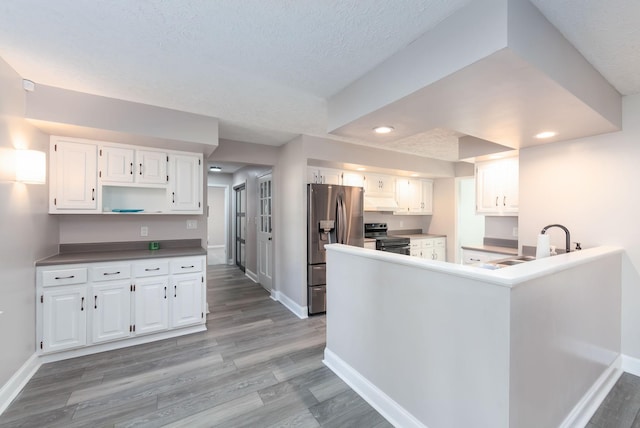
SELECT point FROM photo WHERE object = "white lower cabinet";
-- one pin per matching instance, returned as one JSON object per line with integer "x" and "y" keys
{"x": 429, "y": 248}
{"x": 63, "y": 318}
{"x": 470, "y": 257}
{"x": 151, "y": 305}
{"x": 110, "y": 305}
{"x": 117, "y": 301}
{"x": 186, "y": 302}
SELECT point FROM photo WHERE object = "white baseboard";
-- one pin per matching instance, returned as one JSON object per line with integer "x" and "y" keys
{"x": 631, "y": 365}
{"x": 14, "y": 385}
{"x": 230, "y": 262}
{"x": 301, "y": 312}
{"x": 385, "y": 405}
{"x": 593, "y": 398}
{"x": 251, "y": 275}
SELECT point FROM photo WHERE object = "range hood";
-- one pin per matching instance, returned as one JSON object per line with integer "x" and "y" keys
{"x": 373, "y": 203}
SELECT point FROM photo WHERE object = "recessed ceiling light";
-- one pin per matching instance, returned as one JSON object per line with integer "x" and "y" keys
{"x": 546, "y": 134}
{"x": 215, "y": 169}
{"x": 360, "y": 169}
{"x": 383, "y": 129}
{"x": 415, "y": 175}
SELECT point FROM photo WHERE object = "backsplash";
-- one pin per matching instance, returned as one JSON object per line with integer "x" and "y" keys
{"x": 500, "y": 227}
{"x": 398, "y": 222}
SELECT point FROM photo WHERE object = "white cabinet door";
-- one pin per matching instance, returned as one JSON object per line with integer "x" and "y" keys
{"x": 350, "y": 178}
{"x": 110, "y": 305}
{"x": 378, "y": 185}
{"x": 151, "y": 166}
{"x": 151, "y": 304}
{"x": 185, "y": 178}
{"x": 73, "y": 176}
{"x": 439, "y": 251}
{"x": 426, "y": 197}
{"x": 330, "y": 176}
{"x": 64, "y": 318}
{"x": 186, "y": 300}
{"x": 116, "y": 165}
{"x": 497, "y": 187}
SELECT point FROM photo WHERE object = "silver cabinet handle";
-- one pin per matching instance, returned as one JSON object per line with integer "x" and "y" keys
{"x": 93, "y": 194}
{"x": 187, "y": 267}
{"x": 111, "y": 273}
{"x": 140, "y": 169}
{"x": 82, "y": 304}
{"x": 95, "y": 302}
{"x": 65, "y": 277}
{"x": 131, "y": 166}
{"x": 150, "y": 270}
{"x": 504, "y": 201}
{"x": 165, "y": 292}
{"x": 173, "y": 197}
{"x": 497, "y": 200}
{"x": 175, "y": 291}
{"x": 474, "y": 260}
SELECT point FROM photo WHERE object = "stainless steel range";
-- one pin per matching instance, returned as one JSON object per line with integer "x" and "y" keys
{"x": 385, "y": 242}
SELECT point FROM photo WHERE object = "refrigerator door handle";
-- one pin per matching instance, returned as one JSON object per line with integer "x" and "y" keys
{"x": 341, "y": 230}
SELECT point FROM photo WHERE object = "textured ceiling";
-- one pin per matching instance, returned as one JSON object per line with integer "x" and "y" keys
{"x": 265, "y": 68}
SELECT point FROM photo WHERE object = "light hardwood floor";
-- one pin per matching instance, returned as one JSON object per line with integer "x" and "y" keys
{"x": 256, "y": 366}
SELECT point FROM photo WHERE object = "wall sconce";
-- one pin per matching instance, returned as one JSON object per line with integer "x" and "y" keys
{"x": 31, "y": 166}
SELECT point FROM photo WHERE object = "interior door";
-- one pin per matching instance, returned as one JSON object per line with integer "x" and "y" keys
{"x": 265, "y": 242}
{"x": 241, "y": 225}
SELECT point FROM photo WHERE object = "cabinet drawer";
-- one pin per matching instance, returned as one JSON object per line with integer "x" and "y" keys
{"x": 64, "y": 277}
{"x": 151, "y": 268}
{"x": 109, "y": 272}
{"x": 439, "y": 242}
{"x": 186, "y": 265}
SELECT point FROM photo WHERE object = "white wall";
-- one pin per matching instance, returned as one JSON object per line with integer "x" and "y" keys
{"x": 590, "y": 186}
{"x": 290, "y": 218}
{"x": 226, "y": 180}
{"x": 500, "y": 227}
{"x": 216, "y": 231}
{"x": 443, "y": 221}
{"x": 28, "y": 232}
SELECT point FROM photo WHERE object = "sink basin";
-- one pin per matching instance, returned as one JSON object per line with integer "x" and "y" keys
{"x": 509, "y": 261}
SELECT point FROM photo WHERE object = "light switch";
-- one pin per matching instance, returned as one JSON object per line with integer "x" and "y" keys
{"x": 192, "y": 224}
{"x": 144, "y": 231}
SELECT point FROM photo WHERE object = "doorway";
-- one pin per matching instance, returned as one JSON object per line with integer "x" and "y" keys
{"x": 265, "y": 241}
{"x": 241, "y": 225}
{"x": 470, "y": 225}
{"x": 217, "y": 227}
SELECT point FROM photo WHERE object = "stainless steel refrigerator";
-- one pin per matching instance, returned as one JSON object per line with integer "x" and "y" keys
{"x": 335, "y": 215}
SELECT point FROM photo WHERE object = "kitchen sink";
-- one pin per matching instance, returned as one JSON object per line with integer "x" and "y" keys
{"x": 510, "y": 261}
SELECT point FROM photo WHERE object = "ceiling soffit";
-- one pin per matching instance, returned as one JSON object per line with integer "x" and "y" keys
{"x": 516, "y": 82}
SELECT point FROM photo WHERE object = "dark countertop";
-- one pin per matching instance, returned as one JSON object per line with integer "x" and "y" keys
{"x": 116, "y": 251}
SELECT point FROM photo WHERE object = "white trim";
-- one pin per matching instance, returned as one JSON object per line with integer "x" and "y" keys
{"x": 251, "y": 275}
{"x": 393, "y": 412}
{"x": 230, "y": 262}
{"x": 631, "y": 365}
{"x": 14, "y": 385}
{"x": 301, "y": 312}
{"x": 94, "y": 349}
{"x": 210, "y": 247}
{"x": 593, "y": 398}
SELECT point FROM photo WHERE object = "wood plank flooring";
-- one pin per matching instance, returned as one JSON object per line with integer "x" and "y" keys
{"x": 256, "y": 366}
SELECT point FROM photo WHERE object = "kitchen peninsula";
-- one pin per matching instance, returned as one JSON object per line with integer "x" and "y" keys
{"x": 434, "y": 344}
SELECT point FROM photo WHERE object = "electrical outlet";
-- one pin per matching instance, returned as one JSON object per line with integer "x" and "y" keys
{"x": 144, "y": 231}
{"x": 401, "y": 223}
{"x": 192, "y": 224}
{"x": 515, "y": 232}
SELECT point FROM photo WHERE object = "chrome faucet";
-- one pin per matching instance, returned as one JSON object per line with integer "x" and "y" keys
{"x": 566, "y": 231}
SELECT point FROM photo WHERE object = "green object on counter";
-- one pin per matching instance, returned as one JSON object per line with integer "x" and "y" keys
{"x": 154, "y": 245}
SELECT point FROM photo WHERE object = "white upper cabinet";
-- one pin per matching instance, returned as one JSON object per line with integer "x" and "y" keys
{"x": 497, "y": 187}
{"x": 73, "y": 176}
{"x": 90, "y": 177}
{"x": 414, "y": 196}
{"x": 185, "y": 183}
{"x": 319, "y": 175}
{"x": 379, "y": 185}
{"x": 126, "y": 165}
{"x": 351, "y": 178}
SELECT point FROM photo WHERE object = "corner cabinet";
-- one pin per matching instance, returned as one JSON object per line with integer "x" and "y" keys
{"x": 92, "y": 177}
{"x": 128, "y": 302}
{"x": 497, "y": 187}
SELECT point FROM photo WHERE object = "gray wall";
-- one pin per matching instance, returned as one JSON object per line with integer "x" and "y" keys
{"x": 28, "y": 232}
{"x": 226, "y": 180}
{"x": 591, "y": 186}
{"x": 216, "y": 233}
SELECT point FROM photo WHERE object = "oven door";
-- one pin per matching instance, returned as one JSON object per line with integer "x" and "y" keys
{"x": 404, "y": 249}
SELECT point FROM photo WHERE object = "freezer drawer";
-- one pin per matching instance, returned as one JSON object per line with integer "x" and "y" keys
{"x": 317, "y": 299}
{"x": 317, "y": 274}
